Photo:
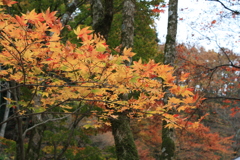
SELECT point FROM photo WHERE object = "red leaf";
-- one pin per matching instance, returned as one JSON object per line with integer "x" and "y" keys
{"x": 163, "y": 6}
{"x": 190, "y": 89}
{"x": 227, "y": 101}
{"x": 153, "y": 76}
{"x": 213, "y": 22}
{"x": 175, "y": 115}
{"x": 102, "y": 56}
{"x": 158, "y": 10}
{"x": 180, "y": 19}
{"x": 49, "y": 59}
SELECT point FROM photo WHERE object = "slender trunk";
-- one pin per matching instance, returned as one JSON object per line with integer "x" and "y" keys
{"x": 168, "y": 146}
{"x": 20, "y": 151}
{"x": 170, "y": 50}
{"x": 6, "y": 113}
{"x": 124, "y": 142}
{"x": 20, "y": 142}
{"x": 127, "y": 36}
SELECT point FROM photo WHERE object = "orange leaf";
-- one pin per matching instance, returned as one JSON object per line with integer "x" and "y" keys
{"x": 82, "y": 33}
{"x": 8, "y": 2}
{"x": 20, "y": 20}
{"x": 184, "y": 76}
{"x": 33, "y": 16}
{"x": 49, "y": 16}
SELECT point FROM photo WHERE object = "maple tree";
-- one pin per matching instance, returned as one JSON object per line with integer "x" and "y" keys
{"x": 58, "y": 74}
{"x": 145, "y": 38}
{"x": 212, "y": 78}
{"x": 68, "y": 82}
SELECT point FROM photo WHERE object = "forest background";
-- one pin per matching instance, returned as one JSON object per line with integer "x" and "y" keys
{"x": 66, "y": 89}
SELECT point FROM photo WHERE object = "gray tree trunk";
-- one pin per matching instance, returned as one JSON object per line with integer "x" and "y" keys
{"x": 170, "y": 46}
{"x": 124, "y": 142}
{"x": 127, "y": 36}
{"x": 6, "y": 112}
{"x": 102, "y": 16}
{"x": 168, "y": 146}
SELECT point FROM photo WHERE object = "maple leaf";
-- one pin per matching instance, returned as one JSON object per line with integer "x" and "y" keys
{"x": 156, "y": 10}
{"x": 184, "y": 76}
{"x": 42, "y": 27}
{"x": 82, "y": 33}
{"x": 173, "y": 100}
{"x": 55, "y": 28}
{"x": 33, "y": 16}
{"x": 102, "y": 56}
{"x": 20, "y": 20}
{"x": 127, "y": 52}
{"x": 182, "y": 108}
{"x": 9, "y": 3}
{"x": 49, "y": 17}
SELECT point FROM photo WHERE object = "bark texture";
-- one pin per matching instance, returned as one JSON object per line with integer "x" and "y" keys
{"x": 6, "y": 112}
{"x": 127, "y": 36}
{"x": 170, "y": 50}
{"x": 102, "y": 16}
{"x": 168, "y": 146}
{"x": 20, "y": 150}
{"x": 124, "y": 142}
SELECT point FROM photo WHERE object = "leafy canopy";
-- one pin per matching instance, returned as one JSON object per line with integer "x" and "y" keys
{"x": 57, "y": 73}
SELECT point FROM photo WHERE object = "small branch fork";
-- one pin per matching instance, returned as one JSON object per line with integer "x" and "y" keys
{"x": 227, "y": 8}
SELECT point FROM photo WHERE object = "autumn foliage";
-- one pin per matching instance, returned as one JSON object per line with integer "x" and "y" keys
{"x": 35, "y": 57}
{"x": 57, "y": 73}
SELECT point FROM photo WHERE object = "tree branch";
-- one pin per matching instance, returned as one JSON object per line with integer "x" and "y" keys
{"x": 233, "y": 11}
{"x": 220, "y": 97}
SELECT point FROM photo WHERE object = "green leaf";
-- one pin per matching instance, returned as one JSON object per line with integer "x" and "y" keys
{"x": 134, "y": 79}
{"x": 101, "y": 49}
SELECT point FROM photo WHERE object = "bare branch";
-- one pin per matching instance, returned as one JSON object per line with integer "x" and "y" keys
{"x": 221, "y": 97}
{"x": 233, "y": 11}
{"x": 49, "y": 120}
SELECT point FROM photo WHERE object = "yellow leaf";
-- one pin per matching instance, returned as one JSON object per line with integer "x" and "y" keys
{"x": 48, "y": 149}
{"x": 182, "y": 108}
{"x": 174, "y": 100}
{"x": 127, "y": 52}
{"x": 82, "y": 32}
{"x": 114, "y": 116}
{"x": 171, "y": 125}
{"x": 3, "y": 72}
{"x": 8, "y": 99}
{"x": 45, "y": 94}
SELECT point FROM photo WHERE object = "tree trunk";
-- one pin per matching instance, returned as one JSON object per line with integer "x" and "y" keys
{"x": 102, "y": 16}
{"x": 20, "y": 150}
{"x": 170, "y": 46}
{"x": 124, "y": 142}
{"x": 127, "y": 36}
{"x": 168, "y": 146}
{"x": 6, "y": 112}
